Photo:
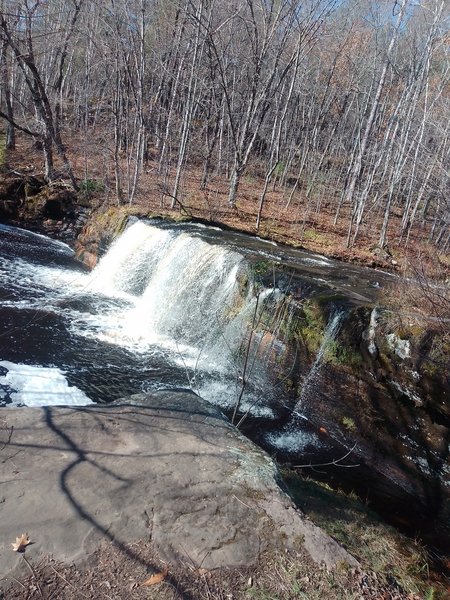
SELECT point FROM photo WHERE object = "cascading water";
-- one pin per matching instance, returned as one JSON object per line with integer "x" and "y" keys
{"x": 163, "y": 308}
{"x": 292, "y": 436}
{"x": 310, "y": 381}
{"x": 167, "y": 306}
{"x": 185, "y": 298}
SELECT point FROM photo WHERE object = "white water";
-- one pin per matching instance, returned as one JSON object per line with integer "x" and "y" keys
{"x": 181, "y": 290}
{"x": 291, "y": 437}
{"x": 163, "y": 298}
{"x": 183, "y": 296}
{"x": 310, "y": 381}
{"x": 130, "y": 261}
{"x": 40, "y": 386}
{"x": 168, "y": 298}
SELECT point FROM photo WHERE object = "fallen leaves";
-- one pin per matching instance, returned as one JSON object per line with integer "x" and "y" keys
{"x": 156, "y": 578}
{"x": 21, "y": 543}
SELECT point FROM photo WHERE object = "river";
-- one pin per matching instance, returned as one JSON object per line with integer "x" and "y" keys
{"x": 168, "y": 306}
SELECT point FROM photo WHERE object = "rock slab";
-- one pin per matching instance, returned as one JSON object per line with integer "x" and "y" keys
{"x": 165, "y": 466}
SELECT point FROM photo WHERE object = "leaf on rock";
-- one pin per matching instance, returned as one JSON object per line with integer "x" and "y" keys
{"x": 21, "y": 543}
{"x": 156, "y": 578}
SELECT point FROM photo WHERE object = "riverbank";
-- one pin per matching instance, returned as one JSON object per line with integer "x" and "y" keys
{"x": 293, "y": 225}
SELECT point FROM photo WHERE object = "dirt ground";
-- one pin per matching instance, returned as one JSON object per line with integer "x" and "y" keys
{"x": 114, "y": 573}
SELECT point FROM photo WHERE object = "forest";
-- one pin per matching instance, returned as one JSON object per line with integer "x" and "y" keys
{"x": 332, "y": 107}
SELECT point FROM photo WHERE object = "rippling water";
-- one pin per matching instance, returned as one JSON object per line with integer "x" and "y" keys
{"x": 144, "y": 319}
{"x": 56, "y": 331}
{"x": 167, "y": 306}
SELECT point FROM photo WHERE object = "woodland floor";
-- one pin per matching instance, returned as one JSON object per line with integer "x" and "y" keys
{"x": 112, "y": 574}
{"x": 306, "y": 223}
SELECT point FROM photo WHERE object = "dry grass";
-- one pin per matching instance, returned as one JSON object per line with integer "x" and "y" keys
{"x": 392, "y": 558}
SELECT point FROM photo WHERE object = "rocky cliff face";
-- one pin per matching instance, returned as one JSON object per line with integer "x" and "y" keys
{"x": 372, "y": 401}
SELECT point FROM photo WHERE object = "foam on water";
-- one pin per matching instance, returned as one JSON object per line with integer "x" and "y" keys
{"x": 294, "y": 441}
{"x": 218, "y": 392}
{"x": 23, "y": 277}
{"x": 38, "y": 386}
{"x": 164, "y": 296}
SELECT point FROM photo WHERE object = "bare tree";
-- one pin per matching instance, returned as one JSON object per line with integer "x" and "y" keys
{"x": 17, "y": 30}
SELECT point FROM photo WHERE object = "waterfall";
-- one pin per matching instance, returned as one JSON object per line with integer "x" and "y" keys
{"x": 189, "y": 296}
{"x": 193, "y": 300}
{"x": 189, "y": 290}
{"x": 129, "y": 262}
{"x": 292, "y": 436}
{"x": 310, "y": 381}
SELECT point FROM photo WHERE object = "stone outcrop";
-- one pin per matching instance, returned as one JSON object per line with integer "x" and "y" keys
{"x": 165, "y": 466}
{"x": 54, "y": 208}
{"x": 380, "y": 392}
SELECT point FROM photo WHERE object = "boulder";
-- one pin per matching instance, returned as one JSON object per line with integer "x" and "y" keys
{"x": 165, "y": 466}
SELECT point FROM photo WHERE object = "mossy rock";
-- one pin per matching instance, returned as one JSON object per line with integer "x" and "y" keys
{"x": 311, "y": 325}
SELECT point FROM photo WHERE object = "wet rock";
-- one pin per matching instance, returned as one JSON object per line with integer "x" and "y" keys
{"x": 166, "y": 466}
{"x": 402, "y": 348}
{"x": 381, "y": 392}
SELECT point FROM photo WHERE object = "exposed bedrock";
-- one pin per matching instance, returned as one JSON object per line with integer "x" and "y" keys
{"x": 371, "y": 398}
{"x": 165, "y": 466}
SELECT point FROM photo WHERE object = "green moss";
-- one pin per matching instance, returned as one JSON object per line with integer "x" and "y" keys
{"x": 311, "y": 235}
{"x": 121, "y": 224}
{"x": 302, "y": 323}
{"x": 259, "y": 270}
{"x": 312, "y": 326}
{"x": 343, "y": 354}
{"x": 348, "y": 423}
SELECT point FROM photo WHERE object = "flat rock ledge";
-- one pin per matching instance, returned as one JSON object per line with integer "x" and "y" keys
{"x": 166, "y": 467}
